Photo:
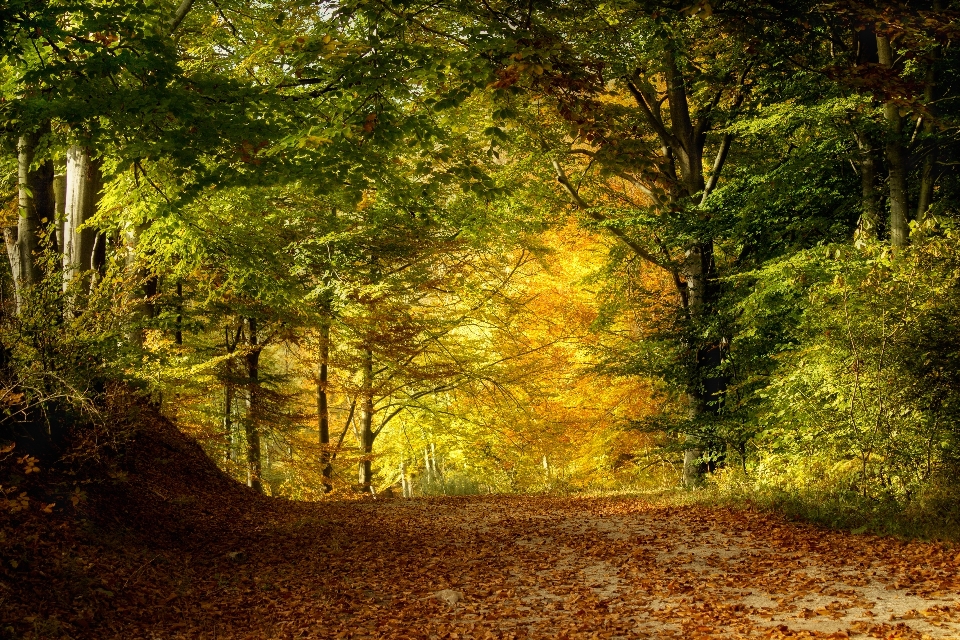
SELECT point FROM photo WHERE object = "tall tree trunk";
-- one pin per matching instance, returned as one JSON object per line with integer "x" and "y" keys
{"x": 84, "y": 183}
{"x": 323, "y": 410}
{"x": 252, "y": 423}
{"x": 366, "y": 419}
{"x": 870, "y": 196}
{"x": 896, "y": 158}
{"x": 229, "y": 388}
{"x": 41, "y": 182}
{"x": 928, "y": 172}
{"x": 25, "y": 242}
{"x": 696, "y": 274}
{"x": 705, "y": 387}
{"x": 228, "y": 392}
{"x": 28, "y": 223}
{"x": 37, "y": 211}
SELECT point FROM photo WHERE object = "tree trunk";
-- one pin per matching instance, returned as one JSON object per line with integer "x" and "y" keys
{"x": 60, "y": 208}
{"x": 252, "y": 423}
{"x": 228, "y": 412}
{"x": 41, "y": 181}
{"x": 706, "y": 386}
{"x": 870, "y": 196}
{"x": 229, "y": 389}
{"x": 83, "y": 185}
{"x": 13, "y": 255}
{"x": 696, "y": 268}
{"x": 98, "y": 259}
{"x": 927, "y": 173}
{"x": 323, "y": 410}
{"x": 896, "y": 158}
{"x": 26, "y": 243}
{"x": 689, "y": 151}
{"x": 366, "y": 420}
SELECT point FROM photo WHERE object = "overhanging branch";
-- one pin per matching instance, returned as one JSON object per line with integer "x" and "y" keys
{"x": 599, "y": 217}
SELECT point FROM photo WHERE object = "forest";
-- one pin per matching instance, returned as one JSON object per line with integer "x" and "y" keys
{"x": 275, "y": 263}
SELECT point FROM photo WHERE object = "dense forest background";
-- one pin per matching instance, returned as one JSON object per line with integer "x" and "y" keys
{"x": 473, "y": 247}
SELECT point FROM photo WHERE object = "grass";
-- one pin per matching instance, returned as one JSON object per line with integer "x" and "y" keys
{"x": 933, "y": 515}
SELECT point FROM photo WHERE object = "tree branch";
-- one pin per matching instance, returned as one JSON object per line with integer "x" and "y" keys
{"x": 583, "y": 206}
{"x": 655, "y": 122}
{"x": 181, "y": 13}
{"x": 717, "y": 166}
{"x": 353, "y": 407}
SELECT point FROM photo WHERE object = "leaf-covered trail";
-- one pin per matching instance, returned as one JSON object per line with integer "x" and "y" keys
{"x": 545, "y": 568}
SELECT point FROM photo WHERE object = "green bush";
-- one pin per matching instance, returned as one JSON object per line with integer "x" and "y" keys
{"x": 849, "y": 373}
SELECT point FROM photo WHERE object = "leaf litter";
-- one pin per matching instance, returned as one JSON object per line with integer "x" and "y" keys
{"x": 184, "y": 552}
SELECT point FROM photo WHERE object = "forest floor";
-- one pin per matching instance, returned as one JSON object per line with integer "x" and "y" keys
{"x": 558, "y": 568}
{"x": 169, "y": 551}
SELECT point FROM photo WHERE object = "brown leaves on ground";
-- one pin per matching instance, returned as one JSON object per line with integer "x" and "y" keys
{"x": 174, "y": 550}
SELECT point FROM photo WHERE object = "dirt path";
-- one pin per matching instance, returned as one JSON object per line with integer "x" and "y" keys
{"x": 552, "y": 568}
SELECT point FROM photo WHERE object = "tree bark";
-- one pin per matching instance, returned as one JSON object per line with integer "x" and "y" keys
{"x": 697, "y": 273}
{"x": 252, "y": 423}
{"x": 870, "y": 196}
{"x": 688, "y": 149}
{"x": 366, "y": 420}
{"x": 323, "y": 410}
{"x": 60, "y": 208}
{"x": 228, "y": 392}
{"x": 928, "y": 172}
{"x": 181, "y": 13}
{"x": 13, "y": 255}
{"x": 98, "y": 259}
{"x": 83, "y": 186}
{"x": 896, "y": 158}
{"x": 229, "y": 388}
{"x": 30, "y": 194}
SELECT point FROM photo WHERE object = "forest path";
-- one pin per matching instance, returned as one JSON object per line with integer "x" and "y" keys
{"x": 506, "y": 567}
